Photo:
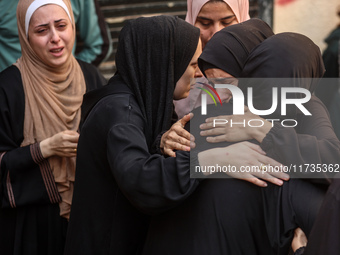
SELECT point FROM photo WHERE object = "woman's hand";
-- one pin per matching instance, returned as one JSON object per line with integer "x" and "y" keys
{"x": 235, "y": 128}
{"x": 247, "y": 160}
{"x": 177, "y": 138}
{"x": 63, "y": 144}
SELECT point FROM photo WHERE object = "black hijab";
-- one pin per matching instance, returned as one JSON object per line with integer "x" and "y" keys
{"x": 229, "y": 48}
{"x": 152, "y": 55}
{"x": 285, "y": 55}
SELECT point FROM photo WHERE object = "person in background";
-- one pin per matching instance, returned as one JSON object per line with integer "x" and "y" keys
{"x": 211, "y": 16}
{"x": 40, "y": 106}
{"x": 93, "y": 33}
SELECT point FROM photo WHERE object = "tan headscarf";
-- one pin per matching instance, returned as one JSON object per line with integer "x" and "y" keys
{"x": 52, "y": 102}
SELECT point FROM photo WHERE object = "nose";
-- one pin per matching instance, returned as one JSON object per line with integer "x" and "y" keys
{"x": 198, "y": 73}
{"x": 54, "y": 36}
{"x": 215, "y": 28}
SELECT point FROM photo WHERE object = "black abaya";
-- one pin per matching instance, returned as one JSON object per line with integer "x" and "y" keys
{"x": 29, "y": 217}
{"x": 268, "y": 216}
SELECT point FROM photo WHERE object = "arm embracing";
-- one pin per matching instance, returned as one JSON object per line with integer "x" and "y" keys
{"x": 312, "y": 142}
{"x": 151, "y": 182}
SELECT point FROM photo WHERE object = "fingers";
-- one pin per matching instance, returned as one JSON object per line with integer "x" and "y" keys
{"x": 214, "y": 131}
{"x": 255, "y": 181}
{"x": 258, "y": 149}
{"x": 169, "y": 152}
{"x": 186, "y": 118}
{"x": 216, "y": 139}
{"x": 175, "y": 138}
{"x": 64, "y": 144}
{"x": 211, "y": 119}
{"x": 267, "y": 177}
{"x": 192, "y": 141}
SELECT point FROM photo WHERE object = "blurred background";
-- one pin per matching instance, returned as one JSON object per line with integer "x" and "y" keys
{"x": 313, "y": 18}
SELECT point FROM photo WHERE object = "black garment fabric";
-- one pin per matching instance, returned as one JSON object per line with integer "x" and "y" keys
{"x": 148, "y": 68}
{"x": 229, "y": 48}
{"x": 276, "y": 210}
{"x": 115, "y": 174}
{"x": 29, "y": 219}
{"x": 292, "y": 52}
{"x": 118, "y": 181}
{"x": 330, "y": 94}
{"x": 312, "y": 141}
{"x": 324, "y": 238}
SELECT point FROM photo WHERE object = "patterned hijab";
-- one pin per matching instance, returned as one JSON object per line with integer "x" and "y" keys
{"x": 53, "y": 97}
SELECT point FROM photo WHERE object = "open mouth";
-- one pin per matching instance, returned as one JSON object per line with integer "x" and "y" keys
{"x": 56, "y": 51}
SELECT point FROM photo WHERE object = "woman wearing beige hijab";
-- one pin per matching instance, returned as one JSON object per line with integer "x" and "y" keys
{"x": 40, "y": 106}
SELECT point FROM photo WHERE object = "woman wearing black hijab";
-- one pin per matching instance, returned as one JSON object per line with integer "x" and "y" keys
{"x": 115, "y": 171}
{"x": 236, "y": 217}
{"x": 312, "y": 141}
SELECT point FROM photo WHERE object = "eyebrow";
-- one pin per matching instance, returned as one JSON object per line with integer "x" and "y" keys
{"x": 56, "y": 21}
{"x": 227, "y": 17}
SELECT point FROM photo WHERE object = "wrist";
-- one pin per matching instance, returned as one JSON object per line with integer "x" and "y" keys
{"x": 260, "y": 133}
{"x": 45, "y": 148}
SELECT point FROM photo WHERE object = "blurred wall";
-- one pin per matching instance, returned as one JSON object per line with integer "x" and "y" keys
{"x": 313, "y": 18}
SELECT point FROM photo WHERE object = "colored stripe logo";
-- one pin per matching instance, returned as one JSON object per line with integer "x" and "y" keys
{"x": 209, "y": 93}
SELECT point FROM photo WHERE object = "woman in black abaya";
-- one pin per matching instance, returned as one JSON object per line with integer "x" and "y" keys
{"x": 156, "y": 58}
{"x": 235, "y": 217}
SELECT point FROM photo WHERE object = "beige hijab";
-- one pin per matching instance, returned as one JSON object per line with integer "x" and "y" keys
{"x": 52, "y": 101}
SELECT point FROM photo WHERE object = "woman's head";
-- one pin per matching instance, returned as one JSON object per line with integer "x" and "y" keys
{"x": 183, "y": 85}
{"x": 46, "y": 31}
{"x": 291, "y": 56}
{"x": 229, "y": 48}
{"x": 153, "y": 55}
{"x": 211, "y": 16}
{"x": 285, "y": 55}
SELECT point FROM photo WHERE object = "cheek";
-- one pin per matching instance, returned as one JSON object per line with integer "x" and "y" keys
{"x": 37, "y": 44}
{"x": 204, "y": 37}
{"x": 69, "y": 39}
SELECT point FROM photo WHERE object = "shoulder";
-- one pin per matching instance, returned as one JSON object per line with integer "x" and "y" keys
{"x": 10, "y": 81}
{"x": 116, "y": 109}
{"x": 10, "y": 73}
{"x": 93, "y": 78}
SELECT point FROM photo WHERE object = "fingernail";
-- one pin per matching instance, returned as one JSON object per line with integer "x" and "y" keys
{"x": 264, "y": 185}
{"x": 286, "y": 176}
{"x": 279, "y": 182}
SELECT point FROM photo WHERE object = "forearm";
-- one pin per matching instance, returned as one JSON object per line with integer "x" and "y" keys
{"x": 26, "y": 178}
{"x": 152, "y": 183}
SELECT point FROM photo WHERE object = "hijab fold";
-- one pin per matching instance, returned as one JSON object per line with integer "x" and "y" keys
{"x": 53, "y": 97}
{"x": 152, "y": 55}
